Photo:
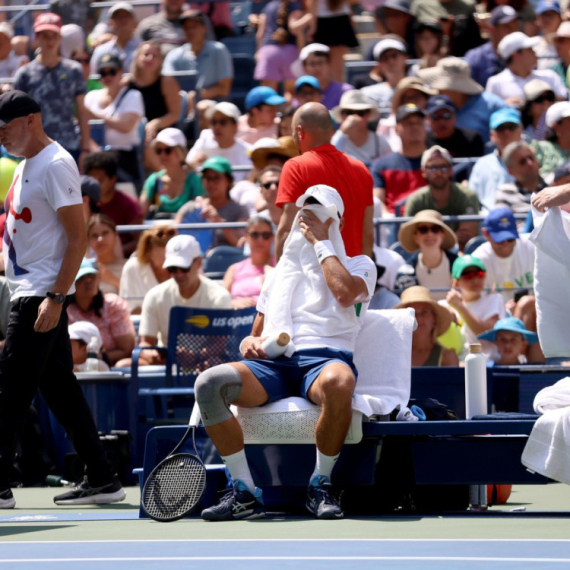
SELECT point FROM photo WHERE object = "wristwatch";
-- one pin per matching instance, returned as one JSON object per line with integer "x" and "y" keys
{"x": 59, "y": 298}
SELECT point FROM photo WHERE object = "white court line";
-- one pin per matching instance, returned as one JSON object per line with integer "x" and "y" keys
{"x": 282, "y": 540}
{"x": 290, "y": 558}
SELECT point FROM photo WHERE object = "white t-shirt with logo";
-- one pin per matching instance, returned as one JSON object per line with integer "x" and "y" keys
{"x": 34, "y": 239}
{"x": 508, "y": 273}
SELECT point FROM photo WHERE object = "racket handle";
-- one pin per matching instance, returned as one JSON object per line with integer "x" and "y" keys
{"x": 56, "y": 481}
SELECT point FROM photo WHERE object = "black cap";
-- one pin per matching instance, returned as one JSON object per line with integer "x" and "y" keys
{"x": 407, "y": 110}
{"x": 90, "y": 187}
{"x": 561, "y": 172}
{"x": 16, "y": 104}
{"x": 432, "y": 25}
{"x": 109, "y": 60}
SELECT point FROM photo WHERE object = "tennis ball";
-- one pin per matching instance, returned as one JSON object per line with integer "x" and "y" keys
{"x": 7, "y": 168}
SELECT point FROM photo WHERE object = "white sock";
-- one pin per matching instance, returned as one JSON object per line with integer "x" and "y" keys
{"x": 239, "y": 469}
{"x": 324, "y": 465}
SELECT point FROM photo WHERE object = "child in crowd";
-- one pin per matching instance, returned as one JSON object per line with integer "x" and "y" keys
{"x": 511, "y": 338}
{"x": 476, "y": 311}
{"x": 80, "y": 334}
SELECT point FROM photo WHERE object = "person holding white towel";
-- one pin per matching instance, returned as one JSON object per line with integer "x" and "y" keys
{"x": 318, "y": 296}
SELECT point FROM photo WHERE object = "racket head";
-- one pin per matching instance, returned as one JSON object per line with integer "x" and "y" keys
{"x": 174, "y": 488}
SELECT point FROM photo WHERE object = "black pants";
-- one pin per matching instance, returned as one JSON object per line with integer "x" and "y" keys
{"x": 32, "y": 361}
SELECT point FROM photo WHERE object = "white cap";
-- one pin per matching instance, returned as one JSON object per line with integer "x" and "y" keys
{"x": 435, "y": 150}
{"x": 181, "y": 251}
{"x": 514, "y": 42}
{"x": 265, "y": 142}
{"x": 121, "y": 6}
{"x": 326, "y": 196}
{"x": 84, "y": 331}
{"x": 385, "y": 45}
{"x": 557, "y": 112}
{"x": 225, "y": 108}
{"x": 6, "y": 29}
{"x": 72, "y": 39}
{"x": 297, "y": 65}
{"x": 171, "y": 137}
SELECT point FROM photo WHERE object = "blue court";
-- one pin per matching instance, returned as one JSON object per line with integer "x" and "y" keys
{"x": 307, "y": 554}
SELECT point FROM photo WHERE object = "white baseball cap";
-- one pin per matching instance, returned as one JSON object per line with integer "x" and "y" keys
{"x": 327, "y": 196}
{"x": 557, "y": 112}
{"x": 181, "y": 251}
{"x": 6, "y": 29}
{"x": 84, "y": 331}
{"x": 121, "y": 6}
{"x": 515, "y": 42}
{"x": 171, "y": 137}
{"x": 228, "y": 109}
{"x": 297, "y": 65}
{"x": 385, "y": 45}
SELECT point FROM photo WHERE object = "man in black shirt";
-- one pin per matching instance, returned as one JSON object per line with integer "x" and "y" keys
{"x": 442, "y": 116}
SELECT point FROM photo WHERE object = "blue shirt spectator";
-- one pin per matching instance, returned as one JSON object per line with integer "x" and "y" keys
{"x": 487, "y": 175}
{"x": 475, "y": 114}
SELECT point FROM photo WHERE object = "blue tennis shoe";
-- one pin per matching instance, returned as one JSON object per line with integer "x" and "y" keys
{"x": 237, "y": 504}
{"x": 321, "y": 501}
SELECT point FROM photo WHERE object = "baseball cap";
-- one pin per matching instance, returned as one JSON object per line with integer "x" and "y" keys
{"x": 218, "y": 164}
{"x": 109, "y": 60}
{"x": 90, "y": 187}
{"x": 225, "y": 108}
{"x": 501, "y": 225}
{"x": 385, "y": 45}
{"x": 439, "y": 103}
{"x": 327, "y": 196}
{"x": 463, "y": 262}
{"x": 16, "y": 104}
{"x": 509, "y": 324}
{"x": 6, "y": 29}
{"x": 297, "y": 65}
{"x": 399, "y": 5}
{"x": 48, "y": 22}
{"x": 555, "y": 113}
{"x": 546, "y": 5}
{"x": 171, "y": 137}
{"x": 121, "y": 6}
{"x": 560, "y": 172}
{"x": 263, "y": 96}
{"x": 307, "y": 80}
{"x": 504, "y": 115}
{"x": 181, "y": 251}
{"x": 84, "y": 331}
{"x": 503, "y": 15}
{"x": 434, "y": 151}
{"x": 192, "y": 15}
{"x": 405, "y": 111}
{"x": 515, "y": 42}
{"x": 535, "y": 88}
{"x": 88, "y": 267}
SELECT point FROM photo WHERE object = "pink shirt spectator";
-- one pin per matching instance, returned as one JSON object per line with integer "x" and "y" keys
{"x": 115, "y": 320}
{"x": 251, "y": 135}
{"x": 248, "y": 280}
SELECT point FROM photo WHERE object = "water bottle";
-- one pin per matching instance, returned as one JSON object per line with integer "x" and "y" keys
{"x": 92, "y": 355}
{"x": 276, "y": 346}
{"x": 476, "y": 404}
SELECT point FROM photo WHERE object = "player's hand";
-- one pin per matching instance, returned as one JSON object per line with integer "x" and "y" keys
{"x": 312, "y": 228}
{"x": 251, "y": 348}
{"x": 454, "y": 298}
{"x": 49, "y": 313}
{"x": 551, "y": 197}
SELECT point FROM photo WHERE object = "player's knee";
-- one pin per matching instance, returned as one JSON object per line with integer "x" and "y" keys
{"x": 337, "y": 384}
{"x": 214, "y": 390}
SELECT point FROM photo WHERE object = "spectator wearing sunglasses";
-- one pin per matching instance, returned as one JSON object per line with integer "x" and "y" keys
{"x": 555, "y": 150}
{"x": 187, "y": 287}
{"x": 490, "y": 171}
{"x": 244, "y": 279}
{"x": 430, "y": 241}
{"x": 476, "y": 311}
{"x": 167, "y": 190}
{"x": 268, "y": 185}
{"x": 443, "y": 195}
{"x": 442, "y": 119}
{"x": 354, "y": 114}
{"x": 538, "y": 97}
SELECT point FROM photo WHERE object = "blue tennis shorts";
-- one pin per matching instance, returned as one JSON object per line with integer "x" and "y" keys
{"x": 285, "y": 377}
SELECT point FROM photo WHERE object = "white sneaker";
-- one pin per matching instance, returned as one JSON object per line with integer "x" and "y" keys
{"x": 7, "y": 500}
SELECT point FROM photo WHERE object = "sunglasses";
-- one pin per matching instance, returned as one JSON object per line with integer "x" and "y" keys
{"x": 162, "y": 234}
{"x": 442, "y": 117}
{"x": 263, "y": 235}
{"x": 545, "y": 97}
{"x": 507, "y": 127}
{"x": 221, "y": 122}
{"x": 268, "y": 185}
{"x": 435, "y": 169}
{"x": 166, "y": 150}
{"x": 473, "y": 274}
{"x": 433, "y": 229}
{"x": 106, "y": 72}
{"x": 349, "y": 112}
{"x": 173, "y": 270}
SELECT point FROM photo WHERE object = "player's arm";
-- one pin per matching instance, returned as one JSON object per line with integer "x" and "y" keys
{"x": 289, "y": 212}
{"x": 250, "y": 346}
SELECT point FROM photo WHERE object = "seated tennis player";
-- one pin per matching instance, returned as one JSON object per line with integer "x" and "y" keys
{"x": 318, "y": 296}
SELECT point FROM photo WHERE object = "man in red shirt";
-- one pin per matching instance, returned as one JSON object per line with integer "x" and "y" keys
{"x": 321, "y": 163}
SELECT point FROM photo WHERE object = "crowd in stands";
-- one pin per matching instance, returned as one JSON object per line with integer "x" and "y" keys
{"x": 463, "y": 110}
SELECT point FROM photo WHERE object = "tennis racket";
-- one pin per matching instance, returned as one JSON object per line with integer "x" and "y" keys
{"x": 176, "y": 485}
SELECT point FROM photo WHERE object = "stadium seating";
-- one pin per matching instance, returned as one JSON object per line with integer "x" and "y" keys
{"x": 219, "y": 258}
{"x": 244, "y": 66}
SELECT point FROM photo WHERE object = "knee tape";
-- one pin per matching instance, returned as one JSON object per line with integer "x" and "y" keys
{"x": 214, "y": 390}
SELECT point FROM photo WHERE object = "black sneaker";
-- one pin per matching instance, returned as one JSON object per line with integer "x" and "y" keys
{"x": 321, "y": 501}
{"x": 238, "y": 503}
{"x": 7, "y": 500}
{"x": 84, "y": 494}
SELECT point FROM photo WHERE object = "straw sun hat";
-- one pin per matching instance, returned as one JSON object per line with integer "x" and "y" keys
{"x": 419, "y": 294}
{"x": 407, "y": 230}
{"x": 283, "y": 146}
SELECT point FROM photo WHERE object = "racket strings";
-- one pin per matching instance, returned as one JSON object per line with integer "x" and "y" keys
{"x": 175, "y": 487}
